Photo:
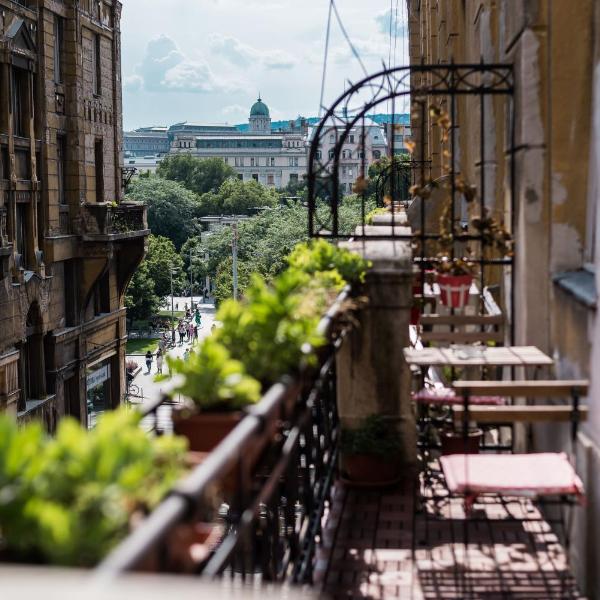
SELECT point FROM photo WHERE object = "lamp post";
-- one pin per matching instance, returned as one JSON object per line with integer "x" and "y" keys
{"x": 192, "y": 279}
{"x": 171, "y": 271}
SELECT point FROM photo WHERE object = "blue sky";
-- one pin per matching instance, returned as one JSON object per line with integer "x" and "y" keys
{"x": 207, "y": 60}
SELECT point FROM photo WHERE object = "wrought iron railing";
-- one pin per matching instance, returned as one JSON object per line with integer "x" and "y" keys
{"x": 264, "y": 488}
{"x": 104, "y": 219}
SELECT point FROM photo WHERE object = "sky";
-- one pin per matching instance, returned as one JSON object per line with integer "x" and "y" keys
{"x": 207, "y": 60}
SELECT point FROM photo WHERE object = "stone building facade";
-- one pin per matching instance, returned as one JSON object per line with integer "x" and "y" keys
{"x": 68, "y": 246}
{"x": 271, "y": 158}
{"x": 554, "y": 49}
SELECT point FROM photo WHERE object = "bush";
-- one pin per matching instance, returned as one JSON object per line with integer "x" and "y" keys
{"x": 377, "y": 436}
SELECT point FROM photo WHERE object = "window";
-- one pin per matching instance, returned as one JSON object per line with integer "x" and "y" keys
{"x": 99, "y": 162}
{"x": 240, "y": 176}
{"x": 255, "y": 176}
{"x": 272, "y": 161}
{"x": 291, "y": 161}
{"x": 61, "y": 167}
{"x": 331, "y": 138}
{"x": 252, "y": 162}
{"x": 376, "y": 154}
{"x": 102, "y": 295}
{"x": 270, "y": 180}
{"x": 293, "y": 177}
{"x": 96, "y": 65}
{"x": 352, "y": 139}
{"x": 70, "y": 291}
{"x": 58, "y": 48}
{"x": 331, "y": 154}
{"x": 20, "y": 231}
{"x": 239, "y": 161}
{"x": 226, "y": 160}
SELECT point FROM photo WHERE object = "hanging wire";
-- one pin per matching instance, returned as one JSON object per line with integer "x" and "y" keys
{"x": 395, "y": 32}
{"x": 390, "y": 43}
{"x": 325, "y": 58}
{"x": 354, "y": 50}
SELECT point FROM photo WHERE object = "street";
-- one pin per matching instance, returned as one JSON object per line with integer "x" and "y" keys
{"x": 151, "y": 390}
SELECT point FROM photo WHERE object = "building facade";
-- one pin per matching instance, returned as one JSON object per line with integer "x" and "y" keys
{"x": 68, "y": 247}
{"x": 146, "y": 141}
{"x": 354, "y": 161}
{"x": 272, "y": 158}
{"x": 554, "y": 50}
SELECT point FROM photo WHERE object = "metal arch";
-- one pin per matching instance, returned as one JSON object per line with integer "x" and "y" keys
{"x": 387, "y": 85}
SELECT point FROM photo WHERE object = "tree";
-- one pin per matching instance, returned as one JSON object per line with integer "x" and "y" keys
{"x": 224, "y": 279}
{"x": 161, "y": 258}
{"x": 237, "y": 197}
{"x": 171, "y": 207}
{"x": 198, "y": 175}
{"x": 141, "y": 300}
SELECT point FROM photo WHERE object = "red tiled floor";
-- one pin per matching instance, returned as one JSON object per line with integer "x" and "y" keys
{"x": 375, "y": 546}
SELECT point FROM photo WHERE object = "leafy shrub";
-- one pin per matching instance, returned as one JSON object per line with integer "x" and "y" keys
{"x": 68, "y": 500}
{"x": 212, "y": 379}
{"x": 321, "y": 256}
{"x": 273, "y": 328}
{"x": 377, "y": 436}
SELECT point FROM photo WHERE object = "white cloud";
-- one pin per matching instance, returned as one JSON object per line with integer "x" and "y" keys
{"x": 235, "y": 111}
{"x": 165, "y": 68}
{"x": 243, "y": 55}
{"x": 386, "y": 19}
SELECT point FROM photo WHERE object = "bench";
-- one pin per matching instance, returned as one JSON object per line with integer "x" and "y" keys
{"x": 522, "y": 413}
{"x": 482, "y": 328}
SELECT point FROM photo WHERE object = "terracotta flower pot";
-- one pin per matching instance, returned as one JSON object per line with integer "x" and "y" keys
{"x": 368, "y": 469}
{"x": 454, "y": 289}
{"x": 453, "y": 442}
{"x": 204, "y": 431}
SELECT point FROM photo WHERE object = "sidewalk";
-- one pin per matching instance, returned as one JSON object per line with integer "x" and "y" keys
{"x": 152, "y": 390}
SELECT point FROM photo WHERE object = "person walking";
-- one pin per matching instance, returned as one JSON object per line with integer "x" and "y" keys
{"x": 186, "y": 354}
{"x": 195, "y": 333}
{"x": 159, "y": 361}
{"x": 181, "y": 329}
{"x": 190, "y": 331}
{"x": 149, "y": 361}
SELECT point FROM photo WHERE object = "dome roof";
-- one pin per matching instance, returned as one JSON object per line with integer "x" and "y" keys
{"x": 259, "y": 109}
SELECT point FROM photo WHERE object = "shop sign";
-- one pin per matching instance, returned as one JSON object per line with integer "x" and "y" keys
{"x": 97, "y": 377}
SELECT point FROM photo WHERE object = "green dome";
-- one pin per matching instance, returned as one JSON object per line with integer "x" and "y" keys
{"x": 259, "y": 109}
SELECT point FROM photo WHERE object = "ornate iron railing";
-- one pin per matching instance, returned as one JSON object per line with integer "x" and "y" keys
{"x": 264, "y": 487}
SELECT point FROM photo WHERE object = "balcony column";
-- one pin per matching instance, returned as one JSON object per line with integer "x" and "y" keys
{"x": 372, "y": 376}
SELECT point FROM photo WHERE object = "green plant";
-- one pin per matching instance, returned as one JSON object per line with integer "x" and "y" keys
{"x": 273, "y": 330}
{"x": 319, "y": 255}
{"x": 68, "y": 500}
{"x": 376, "y": 436}
{"x": 376, "y": 211}
{"x": 212, "y": 379}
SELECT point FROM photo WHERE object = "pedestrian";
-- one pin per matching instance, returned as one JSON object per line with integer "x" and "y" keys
{"x": 159, "y": 361}
{"x": 195, "y": 332}
{"x": 186, "y": 354}
{"x": 149, "y": 361}
{"x": 181, "y": 330}
{"x": 190, "y": 331}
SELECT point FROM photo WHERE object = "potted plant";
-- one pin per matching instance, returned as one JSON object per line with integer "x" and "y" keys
{"x": 454, "y": 277}
{"x": 454, "y": 441}
{"x": 217, "y": 389}
{"x": 70, "y": 499}
{"x": 370, "y": 453}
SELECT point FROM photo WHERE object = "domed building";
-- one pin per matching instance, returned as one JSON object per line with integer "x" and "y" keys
{"x": 260, "y": 120}
{"x": 273, "y": 158}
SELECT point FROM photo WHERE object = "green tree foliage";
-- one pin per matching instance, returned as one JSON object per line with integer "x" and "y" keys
{"x": 224, "y": 279}
{"x": 237, "y": 197}
{"x": 161, "y": 258}
{"x": 141, "y": 299}
{"x": 171, "y": 207}
{"x": 200, "y": 175}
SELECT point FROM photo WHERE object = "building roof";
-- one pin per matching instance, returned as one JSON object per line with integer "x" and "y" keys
{"x": 244, "y": 136}
{"x": 259, "y": 109}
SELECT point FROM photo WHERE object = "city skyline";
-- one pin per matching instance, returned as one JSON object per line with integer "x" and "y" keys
{"x": 210, "y": 67}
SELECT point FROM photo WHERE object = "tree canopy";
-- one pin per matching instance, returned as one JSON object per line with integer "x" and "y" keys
{"x": 200, "y": 175}
{"x": 171, "y": 207}
{"x": 161, "y": 258}
{"x": 237, "y": 197}
{"x": 141, "y": 300}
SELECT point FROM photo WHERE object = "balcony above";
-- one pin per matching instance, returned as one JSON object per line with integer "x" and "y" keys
{"x": 109, "y": 223}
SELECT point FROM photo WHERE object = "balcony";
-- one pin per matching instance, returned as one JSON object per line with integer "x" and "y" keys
{"x": 105, "y": 222}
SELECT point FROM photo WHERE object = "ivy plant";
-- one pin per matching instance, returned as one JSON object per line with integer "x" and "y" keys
{"x": 376, "y": 436}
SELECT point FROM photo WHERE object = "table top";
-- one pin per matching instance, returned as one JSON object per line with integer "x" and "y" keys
{"x": 461, "y": 356}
